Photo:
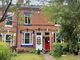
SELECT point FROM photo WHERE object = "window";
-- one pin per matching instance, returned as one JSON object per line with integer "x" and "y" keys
{"x": 27, "y": 20}
{"x": 0, "y": 37}
{"x": 47, "y": 33}
{"x": 58, "y": 37}
{"x": 9, "y": 39}
{"x": 8, "y": 21}
{"x": 27, "y": 38}
{"x": 38, "y": 33}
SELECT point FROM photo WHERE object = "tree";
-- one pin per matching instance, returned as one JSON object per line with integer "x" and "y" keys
{"x": 4, "y": 11}
{"x": 67, "y": 14}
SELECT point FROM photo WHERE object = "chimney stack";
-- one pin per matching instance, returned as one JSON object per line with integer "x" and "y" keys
{"x": 21, "y": 2}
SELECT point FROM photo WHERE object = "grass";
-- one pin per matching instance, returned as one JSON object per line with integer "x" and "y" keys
{"x": 69, "y": 57}
{"x": 26, "y": 56}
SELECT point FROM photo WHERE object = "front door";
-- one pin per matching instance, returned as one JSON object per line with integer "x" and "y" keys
{"x": 38, "y": 41}
{"x": 47, "y": 44}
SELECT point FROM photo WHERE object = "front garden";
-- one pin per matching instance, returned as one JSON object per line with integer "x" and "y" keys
{"x": 7, "y": 54}
{"x": 62, "y": 51}
{"x": 69, "y": 57}
{"x": 27, "y": 56}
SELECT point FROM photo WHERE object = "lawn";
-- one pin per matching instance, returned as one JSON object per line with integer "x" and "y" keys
{"x": 69, "y": 57}
{"x": 26, "y": 56}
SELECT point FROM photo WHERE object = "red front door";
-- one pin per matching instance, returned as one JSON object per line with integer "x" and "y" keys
{"x": 47, "y": 44}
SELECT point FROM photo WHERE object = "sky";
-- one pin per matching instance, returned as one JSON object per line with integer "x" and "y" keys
{"x": 32, "y": 2}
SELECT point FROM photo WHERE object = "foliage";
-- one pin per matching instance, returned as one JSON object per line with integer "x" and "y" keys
{"x": 68, "y": 57}
{"x": 38, "y": 52}
{"x": 59, "y": 49}
{"x": 5, "y": 53}
{"x": 33, "y": 51}
{"x": 14, "y": 54}
{"x": 68, "y": 16}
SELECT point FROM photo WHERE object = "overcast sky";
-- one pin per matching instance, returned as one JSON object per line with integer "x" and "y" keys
{"x": 32, "y": 2}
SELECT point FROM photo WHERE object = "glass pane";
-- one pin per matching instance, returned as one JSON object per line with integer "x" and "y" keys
{"x": 27, "y": 37}
{"x": 9, "y": 23}
{"x": 26, "y": 40}
{"x": 8, "y": 38}
{"x": 38, "y": 33}
{"x": 9, "y": 20}
{"x": 46, "y": 33}
{"x": 26, "y": 20}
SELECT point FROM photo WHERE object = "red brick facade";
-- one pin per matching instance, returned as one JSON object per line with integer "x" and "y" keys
{"x": 39, "y": 31}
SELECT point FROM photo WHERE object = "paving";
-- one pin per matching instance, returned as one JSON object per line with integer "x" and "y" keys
{"x": 48, "y": 57}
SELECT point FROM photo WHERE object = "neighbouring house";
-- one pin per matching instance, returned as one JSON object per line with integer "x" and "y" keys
{"x": 29, "y": 30}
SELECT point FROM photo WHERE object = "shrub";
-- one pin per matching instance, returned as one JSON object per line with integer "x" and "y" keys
{"x": 58, "y": 49}
{"x": 5, "y": 53}
{"x": 38, "y": 52}
{"x": 33, "y": 51}
{"x": 14, "y": 54}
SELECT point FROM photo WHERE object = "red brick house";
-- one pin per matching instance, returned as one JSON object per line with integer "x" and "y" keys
{"x": 32, "y": 30}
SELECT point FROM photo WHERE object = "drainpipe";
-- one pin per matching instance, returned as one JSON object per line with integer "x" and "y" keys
{"x": 17, "y": 25}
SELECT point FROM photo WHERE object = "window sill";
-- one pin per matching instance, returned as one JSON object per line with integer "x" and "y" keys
{"x": 28, "y": 45}
{"x": 27, "y": 24}
{"x": 8, "y": 26}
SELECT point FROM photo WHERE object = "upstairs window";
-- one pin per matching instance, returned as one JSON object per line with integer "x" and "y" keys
{"x": 27, "y": 17}
{"x": 8, "y": 21}
{"x": 27, "y": 20}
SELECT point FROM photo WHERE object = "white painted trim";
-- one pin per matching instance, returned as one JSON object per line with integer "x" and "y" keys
{"x": 8, "y": 25}
{"x": 23, "y": 37}
{"x": 11, "y": 42}
{"x": 41, "y": 45}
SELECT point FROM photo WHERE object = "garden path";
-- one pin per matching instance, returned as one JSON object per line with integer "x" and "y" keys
{"x": 48, "y": 57}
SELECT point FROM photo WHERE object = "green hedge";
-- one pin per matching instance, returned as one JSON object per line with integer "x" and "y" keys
{"x": 58, "y": 49}
{"x": 5, "y": 53}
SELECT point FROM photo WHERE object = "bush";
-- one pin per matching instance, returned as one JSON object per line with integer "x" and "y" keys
{"x": 58, "y": 49}
{"x": 38, "y": 52}
{"x": 5, "y": 53}
{"x": 33, "y": 51}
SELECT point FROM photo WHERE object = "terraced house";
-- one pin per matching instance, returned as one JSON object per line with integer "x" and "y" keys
{"x": 27, "y": 29}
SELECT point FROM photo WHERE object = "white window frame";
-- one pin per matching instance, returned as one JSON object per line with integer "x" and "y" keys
{"x": 27, "y": 19}
{"x": 10, "y": 41}
{"x": 23, "y": 38}
{"x": 56, "y": 37}
{"x": 10, "y": 15}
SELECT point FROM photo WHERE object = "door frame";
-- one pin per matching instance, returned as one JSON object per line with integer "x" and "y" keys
{"x": 49, "y": 40}
{"x": 41, "y": 39}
